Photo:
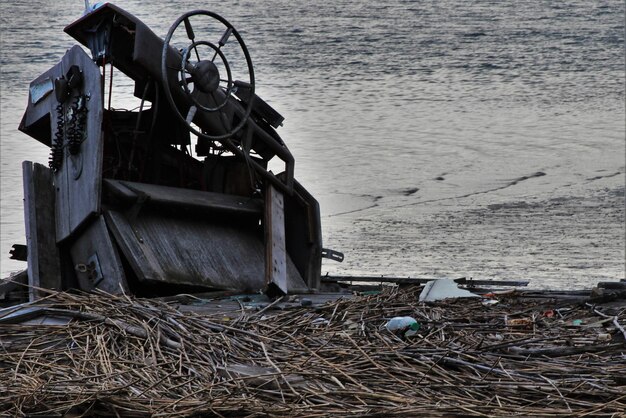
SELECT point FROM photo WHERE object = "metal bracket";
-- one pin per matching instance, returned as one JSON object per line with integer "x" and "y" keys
{"x": 19, "y": 252}
{"x": 92, "y": 269}
{"x": 332, "y": 255}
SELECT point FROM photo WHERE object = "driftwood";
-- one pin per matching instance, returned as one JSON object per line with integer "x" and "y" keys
{"x": 563, "y": 351}
{"x": 119, "y": 356}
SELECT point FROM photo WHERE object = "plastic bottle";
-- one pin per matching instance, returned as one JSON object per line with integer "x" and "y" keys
{"x": 402, "y": 324}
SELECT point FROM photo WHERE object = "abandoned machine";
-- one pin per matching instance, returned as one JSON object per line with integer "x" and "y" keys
{"x": 176, "y": 195}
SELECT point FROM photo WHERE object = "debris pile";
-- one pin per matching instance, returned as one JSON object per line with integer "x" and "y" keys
{"x": 104, "y": 355}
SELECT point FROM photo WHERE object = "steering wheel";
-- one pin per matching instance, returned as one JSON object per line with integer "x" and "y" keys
{"x": 204, "y": 74}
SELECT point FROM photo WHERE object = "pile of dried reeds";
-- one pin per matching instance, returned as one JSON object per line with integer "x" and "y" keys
{"x": 137, "y": 357}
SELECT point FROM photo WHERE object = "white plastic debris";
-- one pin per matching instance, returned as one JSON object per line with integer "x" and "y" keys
{"x": 402, "y": 323}
{"x": 443, "y": 289}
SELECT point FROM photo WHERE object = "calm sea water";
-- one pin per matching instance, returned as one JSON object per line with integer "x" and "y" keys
{"x": 442, "y": 138}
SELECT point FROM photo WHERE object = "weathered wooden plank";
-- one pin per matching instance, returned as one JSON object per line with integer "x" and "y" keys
{"x": 116, "y": 188}
{"x": 78, "y": 181}
{"x": 16, "y": 282}
{"x": 415, "y": 280}
{"x": 141, "y": 258}
{"x": 96, "y": 261}
{"x": 275, "y": 252}
{"x": 44, "y": 265}
{"x": 189, "y": 199}
{"x": 612, "y": 285}
{"x": 193, "y": 251}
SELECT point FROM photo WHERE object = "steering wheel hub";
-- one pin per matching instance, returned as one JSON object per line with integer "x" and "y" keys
{"x": 206, "y": 76}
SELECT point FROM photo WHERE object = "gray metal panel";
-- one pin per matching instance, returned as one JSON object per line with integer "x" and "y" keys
{"x": 103, "y": 269}
{"x": 77, "y": 182}
{"x": 44, "y": 265}
{"x": 194, "y": 252}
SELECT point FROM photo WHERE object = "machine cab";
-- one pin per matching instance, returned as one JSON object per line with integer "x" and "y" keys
{"x": 174, "y": 194}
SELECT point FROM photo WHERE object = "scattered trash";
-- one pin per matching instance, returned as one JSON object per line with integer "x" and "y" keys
{"x": 577, "y": 322}
{"x": 368, "y": 292}
{"x": 490, "y": 302}
{"x": 403, "y": 326}
{"x": 519, "y": 322}
{"x": 549, "y": 314}
{"x": 443, "y": 289}
{"x": 499, "y": 293}
{"x": 596, "y": 324}
{"x": 320, "y": 321}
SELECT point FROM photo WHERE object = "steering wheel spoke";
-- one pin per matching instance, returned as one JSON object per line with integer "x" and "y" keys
{"x": 189, "y": 29}
{"x": 191, "y": 114}
{"x": 185, "y": 80}
{"x": 191, "y": 35}
{"x": 225, "y": 36}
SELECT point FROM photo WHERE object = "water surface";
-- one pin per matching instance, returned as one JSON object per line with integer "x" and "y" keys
{"x": 442, "y": 138}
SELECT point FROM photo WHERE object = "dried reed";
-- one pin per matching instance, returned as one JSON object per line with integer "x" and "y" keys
{"x": 119, "y": 356}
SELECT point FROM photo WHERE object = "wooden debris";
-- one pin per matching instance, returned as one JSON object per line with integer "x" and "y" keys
{"x": 138, "y": 357}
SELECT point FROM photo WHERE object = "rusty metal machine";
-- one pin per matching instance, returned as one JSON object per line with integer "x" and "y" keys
{"x": 175, "y": 195}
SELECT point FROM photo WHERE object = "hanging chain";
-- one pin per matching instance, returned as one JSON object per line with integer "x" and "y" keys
{"x": 56, "y": 149}
{"x": 73, "y": 130}
{"x": 76, "y": 126}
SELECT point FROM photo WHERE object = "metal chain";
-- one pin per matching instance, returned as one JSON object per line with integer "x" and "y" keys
{"x": 56, "y": 148}
{"x": 76, "y": 128}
